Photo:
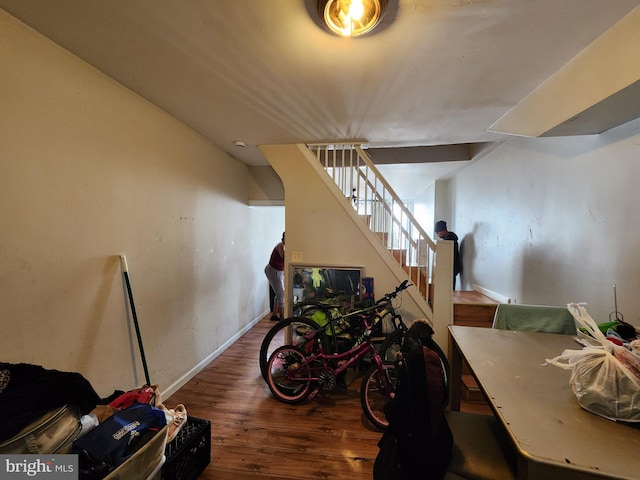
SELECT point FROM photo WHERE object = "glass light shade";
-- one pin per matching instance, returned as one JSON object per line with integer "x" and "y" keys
{"x": 351, "y": 18}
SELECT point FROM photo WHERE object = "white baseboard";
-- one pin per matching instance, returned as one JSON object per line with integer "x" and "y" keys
{"x": 496, "y": 296}
{"x": 175, "y": 386}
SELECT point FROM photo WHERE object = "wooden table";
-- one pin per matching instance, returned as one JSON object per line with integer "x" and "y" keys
{"x": 553, "y": 436}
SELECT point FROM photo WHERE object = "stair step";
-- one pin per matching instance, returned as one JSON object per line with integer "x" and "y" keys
{"x": 400, "y": 255}
{"x": 366, "y": 219}
{"x": 418, "y": 276}
{"x": 383, "y": 236}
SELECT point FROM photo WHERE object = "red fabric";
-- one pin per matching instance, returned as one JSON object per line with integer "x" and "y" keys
{"x": 140, "y": 395}
{"x": 435, "y": 386}
{"x": 277, "y": 260}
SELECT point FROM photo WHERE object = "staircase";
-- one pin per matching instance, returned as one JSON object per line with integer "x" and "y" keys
{"x": 381, "y": 210}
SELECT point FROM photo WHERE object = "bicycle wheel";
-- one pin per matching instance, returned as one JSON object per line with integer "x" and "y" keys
{"x": 288, "y": 386}
{"x": 374, "y": 395}
{"x": 290, "y": 331}
{"x": 391, "y": 346}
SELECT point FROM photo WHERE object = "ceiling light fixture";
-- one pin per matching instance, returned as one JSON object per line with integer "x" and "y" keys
{"x": 351, "y": 18}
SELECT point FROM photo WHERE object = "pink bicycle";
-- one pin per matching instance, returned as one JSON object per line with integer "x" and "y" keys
{"x": 295, "y": 374}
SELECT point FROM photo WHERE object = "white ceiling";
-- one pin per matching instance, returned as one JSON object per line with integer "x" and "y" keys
{"x": 438, "y": 72}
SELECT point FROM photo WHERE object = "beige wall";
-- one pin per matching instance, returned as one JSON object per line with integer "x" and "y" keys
{"x": 89, "y": 171}
{"x": 265, "y": 187}
{"x": 555, "y": 220}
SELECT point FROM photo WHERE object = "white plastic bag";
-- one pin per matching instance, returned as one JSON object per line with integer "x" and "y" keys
{"x": 605, "y": 377}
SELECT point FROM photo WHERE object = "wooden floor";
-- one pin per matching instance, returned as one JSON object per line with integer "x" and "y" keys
{"x": 254, "y": 436}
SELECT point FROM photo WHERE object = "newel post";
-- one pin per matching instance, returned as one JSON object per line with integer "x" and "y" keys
{"x": 443, "y": 291}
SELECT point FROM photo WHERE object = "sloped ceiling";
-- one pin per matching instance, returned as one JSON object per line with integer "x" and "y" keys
{"x": 439, "y": 72}
{"x": 595, "y": 91}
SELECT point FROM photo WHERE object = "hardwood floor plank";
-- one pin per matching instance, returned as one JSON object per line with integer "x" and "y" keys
{"x": 285, "y": 463}
{"x": 256, "y": 437}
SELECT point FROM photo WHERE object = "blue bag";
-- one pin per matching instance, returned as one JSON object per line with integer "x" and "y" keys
{"x": 121, "y": 435}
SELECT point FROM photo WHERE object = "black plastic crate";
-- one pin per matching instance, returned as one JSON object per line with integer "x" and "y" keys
{"x": 189, "y": 453}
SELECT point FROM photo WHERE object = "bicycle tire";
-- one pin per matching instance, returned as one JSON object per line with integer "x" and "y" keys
{"x": 276, "y": 337}
{"x": 288, "y": 390}
{"x": 391, "y": 346}
{"x": 373, "y": 396}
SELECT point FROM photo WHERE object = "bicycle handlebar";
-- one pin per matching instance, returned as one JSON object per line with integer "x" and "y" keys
{"x": 389, "y": 296}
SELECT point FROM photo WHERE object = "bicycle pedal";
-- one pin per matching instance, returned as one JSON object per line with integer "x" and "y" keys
{"x": 313, "y": 394}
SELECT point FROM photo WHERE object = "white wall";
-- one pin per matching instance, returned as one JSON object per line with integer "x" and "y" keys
{"x": 442, "y": 206}
{"x": 424, "y": 207}
{"x": 555, "y": 220}
{"x": 89, "y": 170}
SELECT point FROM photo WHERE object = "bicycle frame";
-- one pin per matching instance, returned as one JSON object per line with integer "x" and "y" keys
{"x": 372, "y": 311}
{"x": 297, "y": 371}
{"x": 318, "y": 362}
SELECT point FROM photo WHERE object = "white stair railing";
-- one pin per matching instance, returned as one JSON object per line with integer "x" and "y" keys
{"x": 386, "y": 215}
